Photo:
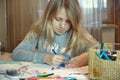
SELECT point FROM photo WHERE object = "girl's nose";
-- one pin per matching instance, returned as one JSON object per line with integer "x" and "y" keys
{"x": 62, "y": 24}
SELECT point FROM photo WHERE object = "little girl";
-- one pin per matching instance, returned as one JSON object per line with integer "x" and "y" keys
{"x": 59, "y": 37}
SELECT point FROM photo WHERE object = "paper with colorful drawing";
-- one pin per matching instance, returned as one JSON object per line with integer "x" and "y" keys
{"x": 29, "y": 69}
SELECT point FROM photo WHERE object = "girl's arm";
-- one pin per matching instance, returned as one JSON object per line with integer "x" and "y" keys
{"x": 25, "y": 50}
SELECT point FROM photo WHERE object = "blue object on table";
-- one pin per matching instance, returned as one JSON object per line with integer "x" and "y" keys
{"x": 70, "y": 78}
{"x": 62, "y": 65}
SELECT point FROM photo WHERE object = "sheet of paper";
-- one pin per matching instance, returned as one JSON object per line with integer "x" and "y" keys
{"x": 34, "y": 69}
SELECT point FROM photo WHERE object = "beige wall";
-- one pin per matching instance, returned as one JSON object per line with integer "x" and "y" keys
{"x": 108, "y": 35}
{"x": 3, "y": 30}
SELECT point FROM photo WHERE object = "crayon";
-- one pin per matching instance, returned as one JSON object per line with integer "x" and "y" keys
{"x": 44, "y": 75}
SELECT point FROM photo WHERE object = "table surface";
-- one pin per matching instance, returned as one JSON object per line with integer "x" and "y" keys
{"x": 83, "y": 70}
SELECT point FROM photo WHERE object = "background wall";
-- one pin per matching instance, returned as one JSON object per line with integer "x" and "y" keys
{"x": 3, "y": 30}
{"x": 21, "y": 14}
{"x": 16, "y": 18}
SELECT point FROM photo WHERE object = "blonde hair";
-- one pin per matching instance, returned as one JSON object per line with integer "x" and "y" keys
{"x": 79, "y": 37}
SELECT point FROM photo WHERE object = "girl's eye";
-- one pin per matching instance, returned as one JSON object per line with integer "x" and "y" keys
{"x": 57, "y": 19}
{"x": 60, "y": 19}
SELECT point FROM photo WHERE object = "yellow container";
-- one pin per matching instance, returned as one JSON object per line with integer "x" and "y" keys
{"x": 104, "y": 69}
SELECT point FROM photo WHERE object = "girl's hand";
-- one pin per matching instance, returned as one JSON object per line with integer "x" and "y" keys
{"x": 78, "y": 61}
{"x": 5, "y": 56}
{"x": 73, "y": 63}
{"x": 58, "y": 59}
{"x": 52, "y": 59}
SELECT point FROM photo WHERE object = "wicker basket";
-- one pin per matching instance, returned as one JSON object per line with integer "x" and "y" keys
{"x": 104, "y": 69}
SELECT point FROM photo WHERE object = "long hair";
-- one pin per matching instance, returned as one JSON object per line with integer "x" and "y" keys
{"x": 79, "y": 37}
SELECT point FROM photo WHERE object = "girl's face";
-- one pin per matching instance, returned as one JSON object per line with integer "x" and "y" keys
{"x": 61, "y": 22}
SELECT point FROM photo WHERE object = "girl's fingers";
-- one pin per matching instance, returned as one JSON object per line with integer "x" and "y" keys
{"x": 73, "y": 63}
{"x": 58, "y": 59}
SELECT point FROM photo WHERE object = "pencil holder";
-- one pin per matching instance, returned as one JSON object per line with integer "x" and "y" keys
{"x": 105, "y": 67}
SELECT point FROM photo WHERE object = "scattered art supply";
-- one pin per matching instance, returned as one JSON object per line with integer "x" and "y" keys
{"x": 70, "y": 78}
{"x": 32, "y": 78}
{"x": 78, "y": 73}
{"x": 44, "y": 74}
{"x": 11, "y": 72}
{"x": 29, "y": 72}
{"x": 22, "y": 79}
{"x": 47, "y": 79}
